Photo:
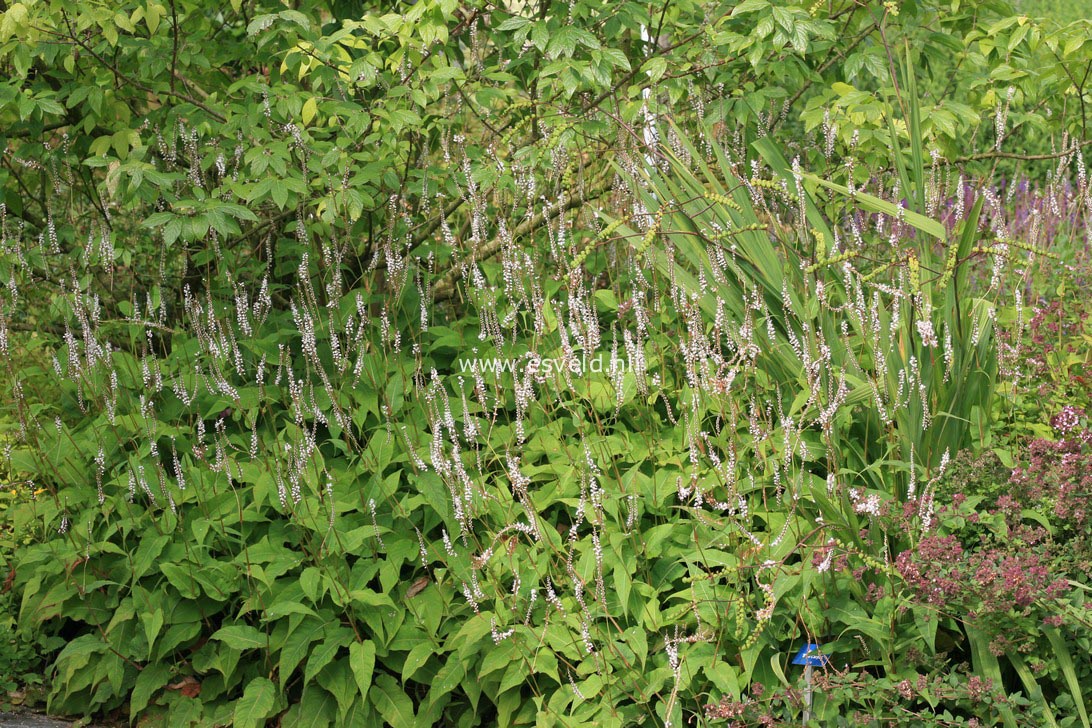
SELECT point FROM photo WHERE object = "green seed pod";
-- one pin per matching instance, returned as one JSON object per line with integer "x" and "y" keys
{"x": 831, "y": 261}
{"x": 651, "y": 233}
{"x": 724, "y": 200}
{"x": 603, "y": 235}
{"x": 769, "y": 184}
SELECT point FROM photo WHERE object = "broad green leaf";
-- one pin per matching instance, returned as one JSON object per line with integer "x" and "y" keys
{"x": 393, "y": 704}
{"x": 317, "y": 709}
{"x": 655, "y": 68}
{"x": 320, "y": 657}
{"x": 152, "y": 14}
{"x": 513, "y": 22}
{"x": 362, "y": 661}
{"x": 149, "y": 680}
{"x": 241, "y": 637}
{"x": 256, "y": 705}
{"x": 750, "y": 6}
{"x": 416, "y": 659}
{"x": 297, "y": 645}
{"x": 310, "y": 108}
{"x": 447, "y": 679}
{"x": 338, "y": 679}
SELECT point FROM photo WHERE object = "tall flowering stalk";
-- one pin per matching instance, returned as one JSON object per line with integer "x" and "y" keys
{"x": 877, "y": 354}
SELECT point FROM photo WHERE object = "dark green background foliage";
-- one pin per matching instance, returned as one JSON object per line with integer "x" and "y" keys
{"x": 257, "y": 258}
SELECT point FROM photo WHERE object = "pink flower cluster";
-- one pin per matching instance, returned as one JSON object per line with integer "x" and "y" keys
{"x": 994, "y": 579}
{"x": 1068, "y": 419}
{"x": 1059, "y": 475}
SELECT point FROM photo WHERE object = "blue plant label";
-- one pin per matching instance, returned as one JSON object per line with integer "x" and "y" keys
{"x": 809, "y": 654}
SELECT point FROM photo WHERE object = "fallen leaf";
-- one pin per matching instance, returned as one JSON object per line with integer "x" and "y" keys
{"x": 417, "y": 587}
{"x": 188, "y": 686}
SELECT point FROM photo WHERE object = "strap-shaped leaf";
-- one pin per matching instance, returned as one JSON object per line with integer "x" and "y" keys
{"x": 875, "y": 204}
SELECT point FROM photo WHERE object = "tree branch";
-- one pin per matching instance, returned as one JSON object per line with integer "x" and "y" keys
{"x": 1021, "y": 157}
{"x": 445, "y": 288}
{"x": 120, "y": 76}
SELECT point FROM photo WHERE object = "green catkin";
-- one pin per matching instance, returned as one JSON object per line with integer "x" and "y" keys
{"x": 949, "y": 267}
{"x": 517, "y": 126}
{"x": 875, "y": 272}
{"x": 556, "y": 132}
{"x": 769, "y": 184}
{"x": 764, "y": 616}
{"x": 831, "y": 261}
{"x": 650, "y": 235}
{"x": 869, "y": 561}
{"x": 724, "y": 200}
{"x": 998, "y": 250}
{"x": 722, "y": 235}
{"x": 1029, "y": 248}
{"x": 915, "y": 274}
{"x": 603, "y": 234}
{"x": 753, "y": 637}
{"x": 567, "y": 177}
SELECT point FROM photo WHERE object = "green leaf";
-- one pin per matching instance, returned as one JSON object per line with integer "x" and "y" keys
{"x": 297, "y": 645}
{"x": 279, "y": 192}
{"x": 416, "y": 658}
{"x": 655, "y": 68}
{"x": 256, "y": 704}
{"x": 12, "y": 21}
{"x": 153, "y": 677}
{"x": 1069, "y": 671}
{"x": 151, "y": 546}
{"x": 540, "y": 35}
{"x": 315, "y": 710}
{"x": 310, "y": 580}
{"x": 241, "y": 637}
{"x": 393, "y": 704}
{"x": 151, "y": 17}
{"x": 153, "y": 623}
{"x": 338, "y": 679}
{"x": 562, "y": 43}
{"x": 750, "y": 6}
{"x": 182, "y": 578}
{"x": 617, "y": 58}
{"x": 875, "y": 204}
{"x": 320, "y": 658}
{"x": 362, "y": 661}
{"x": 447, "y": 679}
{"x": 284, "y": 608}
{"x": 310, "y": 108}
{"x": 513, "y": 23}
{"x": 49, "y": 106}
